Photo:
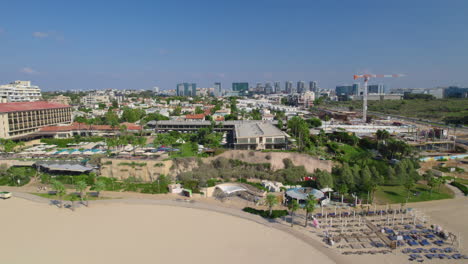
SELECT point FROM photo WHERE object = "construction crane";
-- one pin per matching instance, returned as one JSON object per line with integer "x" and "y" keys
{"x": 366, "y": 80}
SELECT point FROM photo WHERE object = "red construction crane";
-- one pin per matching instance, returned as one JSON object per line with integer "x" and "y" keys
{"x": 366, "y": 80}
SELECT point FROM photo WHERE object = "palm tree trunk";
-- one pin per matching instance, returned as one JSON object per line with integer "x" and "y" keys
{"x": 307, "y": 219}
{"x": 292, "y": 219}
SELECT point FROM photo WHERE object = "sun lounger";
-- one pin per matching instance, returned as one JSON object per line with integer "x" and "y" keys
{"x": 412, "y": 242}
{"x": 424, "y": 242}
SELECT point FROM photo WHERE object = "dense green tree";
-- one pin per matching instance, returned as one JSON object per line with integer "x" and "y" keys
{"x": 132, "y": 115}
{"x": 324, "y": 179}
{"x": 314, "y": 122}
{"x": 256, "y": 115}
{"x": 177, "y": 111}
{"x": 199, "y": 110}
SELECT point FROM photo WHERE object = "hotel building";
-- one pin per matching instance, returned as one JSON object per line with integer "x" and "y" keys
{"x": 22, "y": 119}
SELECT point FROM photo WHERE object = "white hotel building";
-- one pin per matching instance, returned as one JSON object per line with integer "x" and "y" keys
{"x": 19, "y": 91}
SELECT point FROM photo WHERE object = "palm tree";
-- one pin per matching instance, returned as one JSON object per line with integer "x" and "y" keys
{"x": 271, "y": 201}
{"x": 60, "y": 191}
{"x": 293, "y": 206}
{"x": 80, "y": 188}
{"x": 309, "y": 208}
{"x": 99, "y": 186}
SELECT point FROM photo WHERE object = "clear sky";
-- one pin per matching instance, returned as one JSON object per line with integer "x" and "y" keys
{"x": 141, "y": 44}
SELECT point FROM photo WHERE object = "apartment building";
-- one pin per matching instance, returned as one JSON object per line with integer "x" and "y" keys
{"x": 60, "y": 99}
{"x": 94, "y": 99}
{"x": 19, "y": 91}
{"x": 21, "y": 119}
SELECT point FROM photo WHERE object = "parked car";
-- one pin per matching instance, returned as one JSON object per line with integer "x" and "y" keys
{"x": 5, "y": 195}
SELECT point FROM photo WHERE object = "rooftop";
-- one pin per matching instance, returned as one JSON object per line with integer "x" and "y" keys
{"x": 196, "y": 116}
{"x": 255, "y": 129}
{"x": 29, "y": 106}
{"x": 82, "y": 126}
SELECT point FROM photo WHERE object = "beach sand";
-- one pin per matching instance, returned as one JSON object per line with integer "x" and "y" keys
{"x": 137, "y": 233}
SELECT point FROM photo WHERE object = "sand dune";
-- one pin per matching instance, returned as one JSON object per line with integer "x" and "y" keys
{"x": 132, "y": 233}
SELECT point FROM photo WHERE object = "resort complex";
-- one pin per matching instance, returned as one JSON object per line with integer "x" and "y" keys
{"x": 279, "y": 132}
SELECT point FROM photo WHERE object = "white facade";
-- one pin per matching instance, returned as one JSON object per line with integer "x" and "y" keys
{"x": 19, "y": 91}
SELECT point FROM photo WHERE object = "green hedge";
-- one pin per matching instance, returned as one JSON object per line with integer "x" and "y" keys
{"x": 266, "y": 213}
{"x": 460, "y": 186}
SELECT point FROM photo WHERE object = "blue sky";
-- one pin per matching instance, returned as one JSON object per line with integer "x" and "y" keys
{"x": 141, "y": 44}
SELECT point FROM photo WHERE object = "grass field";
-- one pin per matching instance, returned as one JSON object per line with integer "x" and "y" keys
{"x": 420, "y": 193}
{"x": 435, "y": 110}
{"x": 462, "y": 181}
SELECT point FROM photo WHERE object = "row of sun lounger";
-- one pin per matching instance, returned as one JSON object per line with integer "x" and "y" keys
{"x": 439, "y": 256}
{"x": 431, "y": 250}
{"x": 366, "y": 252}
{"x": 348, "y": 214}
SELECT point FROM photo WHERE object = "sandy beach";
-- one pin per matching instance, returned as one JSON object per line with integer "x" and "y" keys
{"x": 137, "y": 233}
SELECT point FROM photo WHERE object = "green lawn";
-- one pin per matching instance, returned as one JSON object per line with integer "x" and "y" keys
{"x": 68, "y": 197}
{"x": 420, "y": 193}
{"x": 185, "y": 151}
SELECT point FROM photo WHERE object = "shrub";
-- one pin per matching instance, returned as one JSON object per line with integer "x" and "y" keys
{"x": 266, "y": 213}
{"x": 460, "y": 186}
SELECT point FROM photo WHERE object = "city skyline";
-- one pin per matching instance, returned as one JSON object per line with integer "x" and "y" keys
{"x": 142, "y": 48}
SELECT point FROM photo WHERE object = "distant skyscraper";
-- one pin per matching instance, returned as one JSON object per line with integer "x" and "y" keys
{"x": 180, "y": 89}
{"x": 288, "y": 87}
{"x": 300, "y": 87}
{"x": 376, "y": 88}
{"x": 217, "y": 89}
{"x": 194, "y": 89}
{"x": 156, "y": 89}
{"x": 186, "y": 89}
{"x": 277, "y": 87}
{"x": 268, "y": 88}
{"x": 356, "y": 90}
{"x": 241, "y": 87}
{"x": 313, "y": 86}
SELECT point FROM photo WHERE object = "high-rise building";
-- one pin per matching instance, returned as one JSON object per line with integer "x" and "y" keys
{"x": 180, "y": 89}
{"x": 194, "y": 89}
{"x": 346, "y": 90}
{"x": 268, "y": 88}
{"x": 156, "y": 89}
{"x": 376, "y": 89}
{"x": 217, "y": 89}
{"x": 313, "y": 86}
{"x": 288, "y": 87}
{"x": 300, "y": 88}
{"x": 277, "y": 87}
{"x": 241, "y": 87}
{"x": 186, "y": 89}
{"x": 356, "y": 89}
{"x": 19, "y": 91}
